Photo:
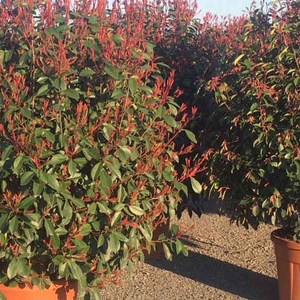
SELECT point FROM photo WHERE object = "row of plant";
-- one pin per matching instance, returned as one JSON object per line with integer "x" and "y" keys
{"x": 112, "y": 120}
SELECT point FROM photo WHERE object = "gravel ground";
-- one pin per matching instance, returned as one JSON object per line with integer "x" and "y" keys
{"x": 225, "y": 262}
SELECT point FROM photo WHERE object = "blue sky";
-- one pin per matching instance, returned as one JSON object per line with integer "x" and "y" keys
{"x": 224, "y": 7}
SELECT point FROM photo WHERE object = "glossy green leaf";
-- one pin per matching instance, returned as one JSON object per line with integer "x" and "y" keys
{"x": 197, "y": 187}
{"x": 170, "y": 121}
{"x": 12, "y": 269}
{"x": 26, "y": 177}
{"x": 191, "y": 136}
{"x": 95, "y": 173}
{"x": 112, "y": 71}
{"x": 120, "y": 236}
{"x": 44, "y": 89}
{"x": 87, "y": 72}
{"x": 136, "y": 210}
{"x": 18, "y": 163}
{"x": 72, "y": 93}
{"x": 167, "y": 252}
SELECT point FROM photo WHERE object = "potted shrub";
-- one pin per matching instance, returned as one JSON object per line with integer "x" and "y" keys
{"x": 256, "y": 169}
{"x": 87, "y": 153}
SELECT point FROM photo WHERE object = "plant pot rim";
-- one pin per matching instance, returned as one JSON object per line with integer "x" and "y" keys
{"x": 278, "y": 238}
{"x": 66, "y": 291}
{"x": 55, "y": 285}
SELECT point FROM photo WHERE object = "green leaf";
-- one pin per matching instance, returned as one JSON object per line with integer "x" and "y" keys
{"x": 42, "y": 79}
{"x": 191, "y": 136}
{"x": 77, "y": 202}
{"x": 119, "y": 207}
{"x": 115, "y": 169}
{"x": 254, "y": 106}
{"x": 114, "y": 244}
{"x": 44, "y": 89}
{"x": 124, "y": 153}
{"x": 18, "y": 163}
{"x": 175, "y": 229}
{"x": 179, "y": 246}
{"x": 26, "y": 177}
{"x": 59, "y": 84}
{"x": 136, "y": 210}
{"x": 118, "y": 94}
{"x": 62, "y": 269}
{"x": 61, "y": 231}
{"x": 185, "y": 251}
{"x": 38, "y": 188}
{"x": 87, "y": 72}
{"x": 78, "y": 274}
{"x": 96, "y": 171}
{"x": 147, "y": 233}
{"x": 13, "y": 225}
{"x": 105, "y": 179}
{"x": 85, "y": 229}
{"x": 3, "y": 221}
{"x": 170, "y": 121}
{"x": 49, "y": 227}
{"x": 52, "y": 181}
{"x": 101, "y": 240}
{"x": 26, "y": 112}
{"x": 168, "y": 174}
{"x": 132, "y": 85}
{"x": 56, "y": 241}
{"x": 197, "y": 187}
{"x": 58, "y": 159}
{"x": 72, "y": 168}
{"x": 117, "y": 39}
{"x": 12, "y": 269}
{"x": 7, "y": 152}
{"x": 112, "y": 72}
{"x": 115, "y": 217}
{"x": 87, "y": 153}
{"x": 182, "y": 187}
{"x": 72, "y": 93}
{"x": 23, "y": 268}
{"x": 3, "y": 185}
{"x": 26, "y": 203}
{"x": 167, "y": 252}
{"x": 120, "y": 236}
{"x": 297, "y": 81}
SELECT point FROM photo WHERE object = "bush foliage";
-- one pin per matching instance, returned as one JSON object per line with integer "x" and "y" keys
{"x": 257, "y": 163}
{"x": 87, "y": 129}
{"x": 113, "y": 119}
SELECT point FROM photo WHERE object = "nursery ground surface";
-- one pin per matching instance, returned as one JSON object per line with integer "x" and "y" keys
{"x": 225, "y": 262}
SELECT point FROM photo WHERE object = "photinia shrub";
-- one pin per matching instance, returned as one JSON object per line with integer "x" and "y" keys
{"x": 257, "y": 166}
{"x": 204, "y": 49}
{"x": 87, "y": 152}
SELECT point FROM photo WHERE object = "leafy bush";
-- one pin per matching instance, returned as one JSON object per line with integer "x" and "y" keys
{"x": 198, "y": 50}
{"x": 257, "y": 166}
{"x": 87, "y": 129}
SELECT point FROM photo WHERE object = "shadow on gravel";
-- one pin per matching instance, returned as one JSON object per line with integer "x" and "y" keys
{"x": 195, "y": 243}
{"x": 222, "y": 275}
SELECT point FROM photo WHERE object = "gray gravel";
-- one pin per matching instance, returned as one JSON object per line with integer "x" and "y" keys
{"x": 225, "y": 262}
